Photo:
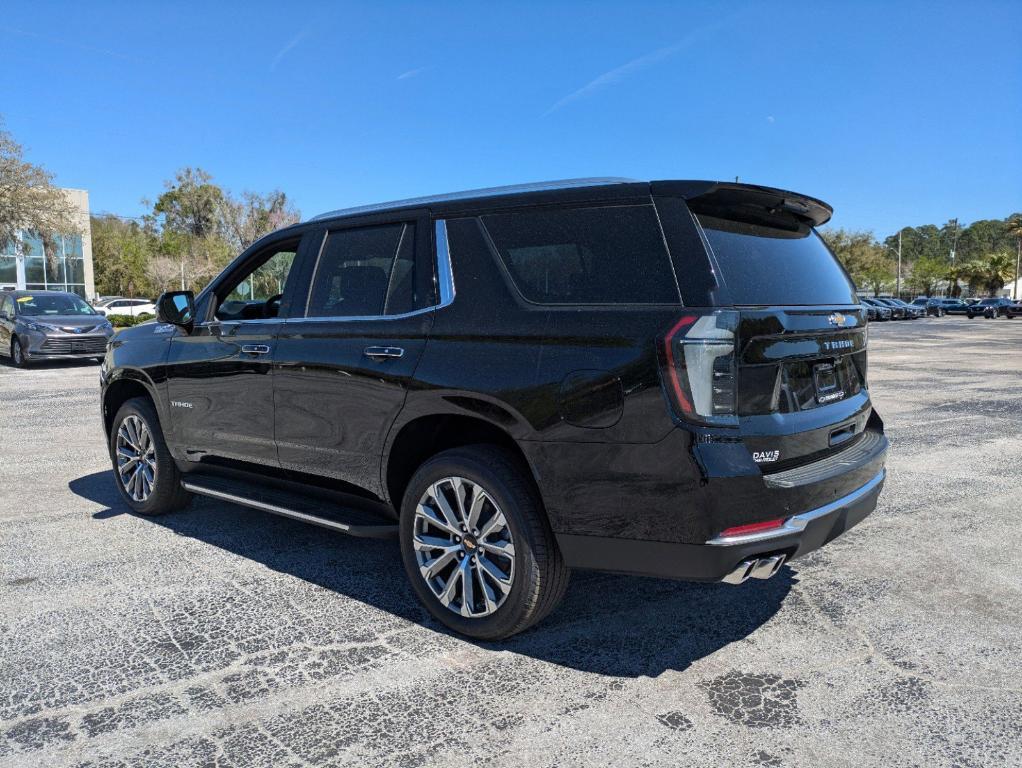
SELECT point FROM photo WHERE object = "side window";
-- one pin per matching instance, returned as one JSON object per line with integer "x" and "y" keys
{"x": 606, "y": 255}
{"x": 365, "y": 272}
{"x": 7, "y": 307}
{"x": 254, "y": 293}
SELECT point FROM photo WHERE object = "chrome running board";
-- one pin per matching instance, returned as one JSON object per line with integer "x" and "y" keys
{"x": 349, "y": 521}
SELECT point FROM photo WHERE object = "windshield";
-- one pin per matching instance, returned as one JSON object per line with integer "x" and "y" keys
{"x": 766, "y": 265}
{"x": 44, "y": 304}
{"x": 989, "y": 301}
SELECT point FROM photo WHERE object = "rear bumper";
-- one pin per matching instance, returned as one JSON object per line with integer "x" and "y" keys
{"x": 802, "y": 533}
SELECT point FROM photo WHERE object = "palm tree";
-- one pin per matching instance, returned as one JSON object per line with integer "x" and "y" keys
{"x": 1014, "y": 229}
{"x": 989, "y": 272}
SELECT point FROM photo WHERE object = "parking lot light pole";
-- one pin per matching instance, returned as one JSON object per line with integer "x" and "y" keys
{"x": 898, "y": 291}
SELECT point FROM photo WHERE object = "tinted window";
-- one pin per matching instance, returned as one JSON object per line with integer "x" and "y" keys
{"x": 612, "y": 255}
{"x": 764, "y": 265}
{"x": 365, "y": 272}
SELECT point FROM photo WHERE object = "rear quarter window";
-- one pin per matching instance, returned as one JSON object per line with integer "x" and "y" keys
{"x": 773, "y": 266}
{"x": 604, "y": 255}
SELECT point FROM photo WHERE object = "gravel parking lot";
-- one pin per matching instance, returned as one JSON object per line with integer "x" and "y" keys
{"x": 223, "y": 636}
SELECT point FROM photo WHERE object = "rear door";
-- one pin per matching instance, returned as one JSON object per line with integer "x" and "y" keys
{"x": 800, "y": 337}
{"x": 344, "y": 361}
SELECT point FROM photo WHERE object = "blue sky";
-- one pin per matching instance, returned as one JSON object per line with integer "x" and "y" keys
{"x": 895, "y": 113}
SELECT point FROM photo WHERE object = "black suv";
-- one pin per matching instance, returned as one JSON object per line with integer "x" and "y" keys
{"x": 991, "y": 308}
{"x": 664, "y": 378}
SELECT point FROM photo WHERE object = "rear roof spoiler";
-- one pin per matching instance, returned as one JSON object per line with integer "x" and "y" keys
{"x": 726, "y": 197}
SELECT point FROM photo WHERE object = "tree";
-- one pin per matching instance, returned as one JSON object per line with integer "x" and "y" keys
{"x": 30, "y": 201}
{"x": 925, "y": 273}
{"x": 862, "y": 257}
{"x": 1013, "y": 229}
{"x": 990, "y": 272}
{"x": 121, "y": 252}
{"x": 189, "y": 217}
{"x": 255, "y": 215}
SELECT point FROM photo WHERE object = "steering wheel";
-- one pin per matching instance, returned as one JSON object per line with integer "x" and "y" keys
{"x": 273, "y": 305}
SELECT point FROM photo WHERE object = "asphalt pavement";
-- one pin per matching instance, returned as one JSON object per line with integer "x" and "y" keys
{"x": 223, "y": 636}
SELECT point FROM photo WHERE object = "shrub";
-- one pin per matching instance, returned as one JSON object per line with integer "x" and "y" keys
{"x": 126, "y": 321}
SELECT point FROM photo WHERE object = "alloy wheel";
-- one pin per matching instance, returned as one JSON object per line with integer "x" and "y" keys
{"x": 464, "y": 547}
{"x": 17, "y": 353}
{"x": 136, "y": 458}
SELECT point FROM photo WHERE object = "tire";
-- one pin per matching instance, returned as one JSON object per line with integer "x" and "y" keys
{"x": 536, "y": 571}
{"x": 163, "y": 492}
{"x": 18, "y": 359}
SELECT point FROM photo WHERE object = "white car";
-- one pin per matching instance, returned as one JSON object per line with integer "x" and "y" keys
{"x": 133, "y": 307}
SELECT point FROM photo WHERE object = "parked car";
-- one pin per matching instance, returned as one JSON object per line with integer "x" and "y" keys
{"x": 102, "y": 301}
{"x": 514, "y": 382}
{"x": 130, "y": 307}
{"x": 1014, "y": 310}
{"x": 883, "y": 311}
{"x": 48, "y": 325}
{"x": 932, "y": 306}
{"x": 908, "y": 312}
{"x": 955, "y": 307}
{"x": 871, "y": 311}
{"x": 990, "y": 308}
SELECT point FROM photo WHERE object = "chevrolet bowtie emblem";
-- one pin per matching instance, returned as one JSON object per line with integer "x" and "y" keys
{"x": 836, "y": 319}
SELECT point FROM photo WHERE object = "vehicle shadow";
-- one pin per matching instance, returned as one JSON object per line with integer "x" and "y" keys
{"x": 624, "y": 626}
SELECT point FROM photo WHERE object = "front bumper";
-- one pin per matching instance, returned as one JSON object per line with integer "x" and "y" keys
{"x": 68, "y": 346}
{"x": 712, "y": 561}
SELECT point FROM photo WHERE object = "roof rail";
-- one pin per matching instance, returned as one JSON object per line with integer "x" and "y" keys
{"x": 469, "y": 194}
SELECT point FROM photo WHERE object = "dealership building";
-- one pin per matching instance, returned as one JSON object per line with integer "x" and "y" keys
{"x": 23, "y": 264}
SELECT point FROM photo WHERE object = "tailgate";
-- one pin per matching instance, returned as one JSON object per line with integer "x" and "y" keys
{"x": 801, "y": 383}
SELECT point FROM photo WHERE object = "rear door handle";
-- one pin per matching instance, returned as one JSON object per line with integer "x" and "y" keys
{"x": 383, "y": 353}
{"x": 255, "y": 349}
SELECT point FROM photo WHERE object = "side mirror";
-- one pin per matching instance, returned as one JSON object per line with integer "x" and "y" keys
{"x": 176, "y": 308}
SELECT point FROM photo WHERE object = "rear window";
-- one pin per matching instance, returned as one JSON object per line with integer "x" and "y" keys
{"x": 607, "y": 255}
{"x": 764, "y": 265}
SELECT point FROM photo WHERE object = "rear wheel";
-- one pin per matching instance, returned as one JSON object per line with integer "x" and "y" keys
{"x": 144, "y": 470}
{"x": 476, "y": 544}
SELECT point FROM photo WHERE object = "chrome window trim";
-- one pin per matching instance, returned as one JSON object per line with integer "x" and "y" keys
{"x": 215, "y": 321}
{"x": 444, "y": 279}
{"x": 470, "y": 194}
{"x": 444, "y": 271}
{"x": 798, "y": 523}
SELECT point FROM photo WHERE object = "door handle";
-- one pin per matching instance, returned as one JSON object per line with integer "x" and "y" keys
{"x": 383, "y": 353}
{"x": 255, "y": 349}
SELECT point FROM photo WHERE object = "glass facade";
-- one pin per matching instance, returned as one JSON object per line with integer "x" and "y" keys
{"x": 62, "y": 270}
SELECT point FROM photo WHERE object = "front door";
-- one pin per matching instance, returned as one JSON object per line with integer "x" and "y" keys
{"x": 343, "y": 365}
{"x": 6, "y": 324}
{"x": 220, "y": 375}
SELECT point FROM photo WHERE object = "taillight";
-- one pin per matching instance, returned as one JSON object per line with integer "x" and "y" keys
{"x": 700, "y": 360}
{"x": 745, "y": 530}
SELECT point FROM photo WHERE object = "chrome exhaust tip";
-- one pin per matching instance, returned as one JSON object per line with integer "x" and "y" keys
{"x": 767, "y": 566}
{"x": 741, "y": 572}
{"x": 760, "y": 568}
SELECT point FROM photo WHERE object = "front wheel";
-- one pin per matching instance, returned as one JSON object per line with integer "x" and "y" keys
{"x": 144, "y": 470}
{"x": 476, "y": 543}
{"x": 18, "y": 353}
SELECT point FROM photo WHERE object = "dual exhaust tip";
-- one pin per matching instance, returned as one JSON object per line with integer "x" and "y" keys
{"x": 760, "y": 568}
